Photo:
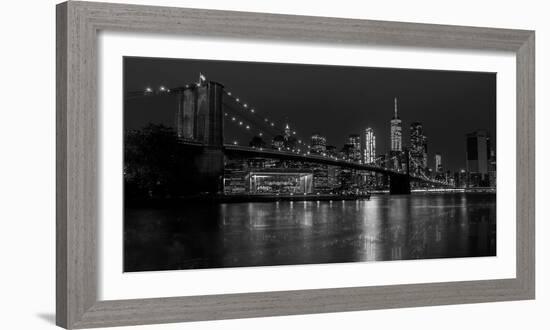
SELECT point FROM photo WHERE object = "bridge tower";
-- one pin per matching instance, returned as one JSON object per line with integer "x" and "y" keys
{"x": 199, "y": 121}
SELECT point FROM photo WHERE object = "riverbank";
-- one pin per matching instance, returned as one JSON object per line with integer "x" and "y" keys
{"x": 264, "y": 198}
{"x": 248, "y": 198}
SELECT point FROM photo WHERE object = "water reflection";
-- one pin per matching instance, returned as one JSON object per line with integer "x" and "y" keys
{"x": 283, "y": 233}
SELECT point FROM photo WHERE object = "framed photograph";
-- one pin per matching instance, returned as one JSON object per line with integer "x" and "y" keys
{"x": 217, "y": 165}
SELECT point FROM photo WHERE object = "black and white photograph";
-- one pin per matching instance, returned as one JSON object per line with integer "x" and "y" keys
{"x": 243, "y": 164}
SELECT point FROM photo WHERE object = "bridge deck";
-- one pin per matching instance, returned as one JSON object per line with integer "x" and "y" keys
{"x": 231, "y": 149}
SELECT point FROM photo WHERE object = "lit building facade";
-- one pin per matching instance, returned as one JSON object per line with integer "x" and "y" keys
{"x": 285, "y": 142}
{"x": 418, "y": 157}
{"x": 395, "y": 130}
{"x": 281, "y": 182}
{"x": 288, "y": 132}
{"x": 369, "y": 153}
{"x": 438, "y": 164}
{"x": 354, "y": 152}
{"x": 396, "y": 148}
{"x": 439, "y": 174}
{"x": 318, "y": 144}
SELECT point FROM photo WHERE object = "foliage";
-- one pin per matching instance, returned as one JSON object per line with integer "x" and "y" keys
{"x": 150, "y": 162}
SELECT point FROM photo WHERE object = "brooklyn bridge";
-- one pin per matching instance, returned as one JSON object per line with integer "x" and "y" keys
{"x": 205, "y": 109}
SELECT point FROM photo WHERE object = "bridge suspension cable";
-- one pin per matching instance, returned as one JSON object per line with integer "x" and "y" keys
{"x": 267, "y": 123}
{"x": 249, "y": 119}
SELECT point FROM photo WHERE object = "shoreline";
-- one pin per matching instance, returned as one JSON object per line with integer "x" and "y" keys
{"x": 259, "y": 198}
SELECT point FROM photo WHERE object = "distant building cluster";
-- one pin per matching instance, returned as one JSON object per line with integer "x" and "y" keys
{"x": 200, "y": 103}
{"x": 413, "y": 159}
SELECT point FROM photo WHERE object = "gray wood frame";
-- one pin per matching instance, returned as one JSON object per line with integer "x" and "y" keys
{"x": 77, "y": 149}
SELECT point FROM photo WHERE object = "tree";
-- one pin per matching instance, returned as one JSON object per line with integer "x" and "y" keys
{"x": 150, "y": 162}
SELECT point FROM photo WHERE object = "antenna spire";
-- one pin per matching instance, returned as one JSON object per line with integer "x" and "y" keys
{"x": 395, "y": 106}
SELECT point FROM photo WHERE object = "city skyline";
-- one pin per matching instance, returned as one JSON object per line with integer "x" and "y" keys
{"x": 423, "y": 96}
{"x": 232, "y": 164}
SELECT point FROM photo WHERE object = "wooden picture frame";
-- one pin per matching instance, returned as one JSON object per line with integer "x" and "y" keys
{"x": 78, "y": 24}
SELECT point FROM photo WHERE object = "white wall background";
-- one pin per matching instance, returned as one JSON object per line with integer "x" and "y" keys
{"x": 27, "y": 163}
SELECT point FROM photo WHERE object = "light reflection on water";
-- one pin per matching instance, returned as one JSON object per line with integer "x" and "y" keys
{"x": 417, "y": 226}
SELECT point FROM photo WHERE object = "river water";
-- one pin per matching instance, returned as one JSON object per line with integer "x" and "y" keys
{"x": 416, "y": 226}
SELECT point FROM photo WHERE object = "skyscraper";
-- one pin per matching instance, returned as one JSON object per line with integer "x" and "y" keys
{"x": 396, "y": 155}
{"x": 318, "y": 143}
{"x": 478, "y": 155}
{"x": 418, "y": 150}
{"x": 478, "y": 152}
{"x": 369, "y": 154}
{"x": 287, "y": 131}
{"x": 438, "y": 165}
{"x": 354, "y": 140}
{"x": 395, "y": 129}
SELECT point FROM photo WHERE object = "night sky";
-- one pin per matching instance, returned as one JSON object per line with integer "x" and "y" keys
{"x": 333, "y": 100}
